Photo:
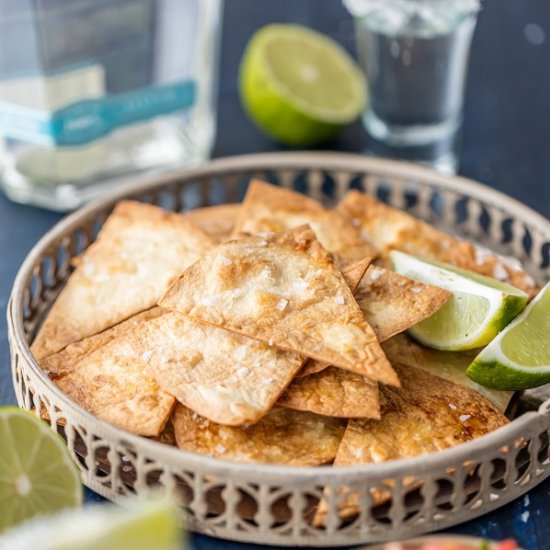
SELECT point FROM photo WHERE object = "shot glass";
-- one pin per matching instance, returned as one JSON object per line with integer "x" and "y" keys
{"x": 415, "y": 55}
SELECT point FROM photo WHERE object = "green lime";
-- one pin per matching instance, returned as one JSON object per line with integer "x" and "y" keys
{"x": 298, "y": 85}
{"x": 479, "y": 309}
{"x": 141, "y": 527}
{"x": 37, "y": 473}
{"x": 519, "y": 357}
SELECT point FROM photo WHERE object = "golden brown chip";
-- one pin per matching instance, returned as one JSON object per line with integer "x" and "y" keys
{"x": 273, "y": 209}
{"x": 286, "y": 291}
{"x": 223, "y": 376}
{"x": 216, "y": 221}
{"x": 139, "y": 251}
{"x": 62, "y": 363}
{"x": 390, "y": 228}
{"x": 283, "y": 436}
{"x": 115, "y": 384}
{"x": 334, "y": 392}
{"x": 392, "y": 303}
{"x": 427, "y": 414}
{"x": 450, "y": 365}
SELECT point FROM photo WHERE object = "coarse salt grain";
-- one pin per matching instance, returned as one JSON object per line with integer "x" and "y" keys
{"x": 282, "y": 304}
{"x": 452, "y": 407}
{"x": 375, "y": 274}
{"x": 499, "y": 272}
{"x": 464, "y": 417}
{"x": 146, "y": 356}
{"x": 219, "y": 448}
{"x": 225, "y": 260}
{"x": 339, "y": 300}
{"x": 270, "y": 342}
{"x": 300, "y": 285}
{"x": 416, "y": 289}
{"x": 240, "y": 353}
{"x": 242, "y": 371}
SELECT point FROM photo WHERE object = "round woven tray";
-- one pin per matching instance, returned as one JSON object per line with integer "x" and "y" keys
{"x": 274, "y": 504}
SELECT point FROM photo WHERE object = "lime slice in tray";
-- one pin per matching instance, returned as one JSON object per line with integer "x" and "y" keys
{"x": 299, "y": 86}
{"x": 519, "y": 357}
{"x": 37, "y": 473}
{"x": 479, "y": 309}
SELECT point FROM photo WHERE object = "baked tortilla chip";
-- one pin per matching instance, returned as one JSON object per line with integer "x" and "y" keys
{"x": 427, "y": 414}
{"x": 390, "y": 228}
{"x": 334, "y": 392}
{"x": 138, "y": 253}
{"x": 271, "y": 209}
{"x": 223, "y": 376}
{"x": 62, "y": 363}
{"x": 216, "y": 221}
{"x": 286, "y": 291}
{"x": 283, "y": 436}
{"x": 115, "y": 384}
{"x": 392, "y": 303}
{"x": 450, "y": 365}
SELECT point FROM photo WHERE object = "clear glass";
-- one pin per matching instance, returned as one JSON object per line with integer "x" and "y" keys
{"x": 415, "y": 55}
{"x": 94, "y": 93}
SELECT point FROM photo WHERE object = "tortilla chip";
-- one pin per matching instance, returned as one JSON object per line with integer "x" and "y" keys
{"x": 427, "y": 414}
{"x": 334, "y": 392}
{"x": 138, "y": 253}
{"x": 286, "y": 291}
{"x": 62, "y": 363}
{"x": 390, "y": 228}
{"x": 216, "y": 221}
{"x": 115, "y": 384}
{"x": 223, "y": 376}
{"x": 272, "y": 209}
{"x": 392, "y": 303}
{"x": 283, "y": 436}
{"x": 450, "y": 365}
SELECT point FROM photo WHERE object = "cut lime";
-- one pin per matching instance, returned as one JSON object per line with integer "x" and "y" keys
{"x": 141, "y": 527}
{"x": 298, "y": 85}
{"x": 37, "y": 473}
{"x": 479, "y": 309}
{"x": 519, "y": 357}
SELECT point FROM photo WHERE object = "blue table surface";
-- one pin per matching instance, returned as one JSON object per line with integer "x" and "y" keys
{"x": 506, "y": 139}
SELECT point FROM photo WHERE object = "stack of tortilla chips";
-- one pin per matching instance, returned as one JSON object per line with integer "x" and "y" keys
{"x": 271, "y": 331}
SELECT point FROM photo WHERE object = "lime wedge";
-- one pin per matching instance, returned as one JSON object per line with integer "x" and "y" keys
{"x": 37, "y": 473}
{"x": 479, "y": 309}
{"x": 519, "y": 357}
{"x": 299, "y": 86}
{"x": 141, "y": 527}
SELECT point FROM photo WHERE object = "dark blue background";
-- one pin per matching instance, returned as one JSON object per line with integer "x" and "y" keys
{"x": 506, "y": 144}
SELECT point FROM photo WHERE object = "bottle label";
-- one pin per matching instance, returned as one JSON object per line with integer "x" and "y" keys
{"x": 87, "y": 120}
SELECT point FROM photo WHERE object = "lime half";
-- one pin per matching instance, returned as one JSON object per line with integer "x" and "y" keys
{"x": 519, "y": 357}
{"x": 479, "y": 309}
{"x": 298, "y": 85}
{"x": 141, "y": 527}
{"x": 37, "y": 473}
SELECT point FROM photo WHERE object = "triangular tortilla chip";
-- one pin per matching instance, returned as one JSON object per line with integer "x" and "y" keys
{"x": 334, "y": 392}
{"x": 64, "y": 362}
{"x": 392, "y": 303}
{"x": 286, "y": 291}
{"x": 216, "y": 221}
{"x": 139, "y": 251}
{"x": 427, "y": 414}
{"x": 115, "y": 384}
{"x": 390, "y": 228}
{"x": 450, "y": 365}
{"x": 271, "y": 209}
{"x": 223, "y": 376}
{"x": 283, "y": 436}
